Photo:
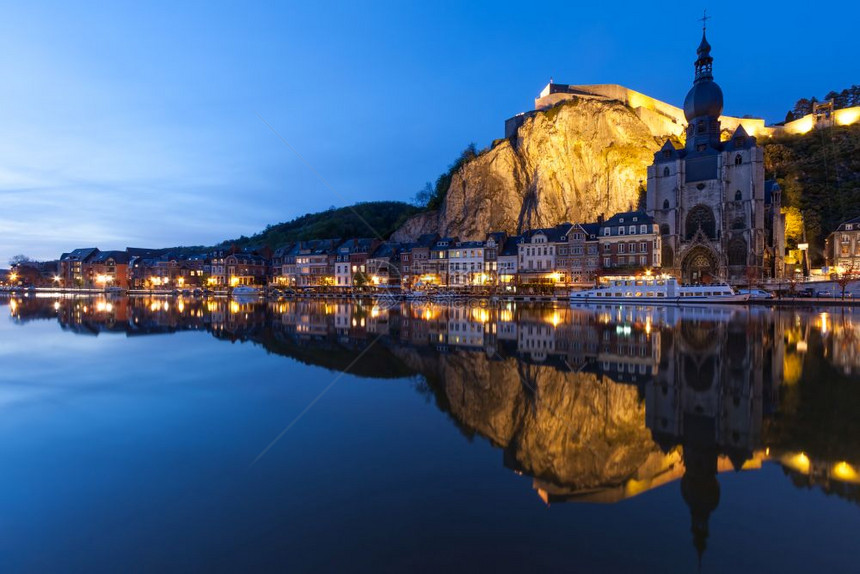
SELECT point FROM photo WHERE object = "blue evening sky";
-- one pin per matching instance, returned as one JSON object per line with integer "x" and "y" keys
{"x": 136, "y": 124}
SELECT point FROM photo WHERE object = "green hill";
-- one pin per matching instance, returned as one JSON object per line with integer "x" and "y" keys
{"x": 370, "y": 219}
{"x": 819, "y": 173}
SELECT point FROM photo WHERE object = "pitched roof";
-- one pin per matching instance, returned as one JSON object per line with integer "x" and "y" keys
{"x": 426, "y": 240}
{"x": 120, "y": 257}
{"x": 469, "y": 244}
{"x": 591, "y": 228}
{"x": 853, "y": 221}
{"x": 510, "y": 246}
{"x": 80, "y": 254}
{"x": 553, "y": 234}
{"x": 387, "y": 249}
{"x": 739, "y": 140}
{"x": 627, "y": 218}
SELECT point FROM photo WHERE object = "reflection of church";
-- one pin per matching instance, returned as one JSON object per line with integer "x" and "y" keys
{"x": 714, "y": 384}
{"x": 719, "y": 219}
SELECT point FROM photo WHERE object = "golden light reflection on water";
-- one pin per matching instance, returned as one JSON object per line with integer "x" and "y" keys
{"x": 645, "y": 377}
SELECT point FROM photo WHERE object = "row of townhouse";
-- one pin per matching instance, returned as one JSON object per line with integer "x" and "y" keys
{"x": 565, "y": 254}
{"x": 137, "y": 268}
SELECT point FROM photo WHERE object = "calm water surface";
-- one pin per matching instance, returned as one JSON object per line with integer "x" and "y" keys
{"x": 169, "y": 435}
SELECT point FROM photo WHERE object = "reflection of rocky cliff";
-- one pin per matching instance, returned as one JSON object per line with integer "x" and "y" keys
{"x": 565, "y": 428}
{"x": 595, "y": 404}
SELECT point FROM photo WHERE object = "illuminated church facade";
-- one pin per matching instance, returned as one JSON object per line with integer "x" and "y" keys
{"x": 718, "y": 218}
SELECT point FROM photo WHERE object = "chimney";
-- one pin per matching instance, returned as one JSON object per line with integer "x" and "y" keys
{"x": 600, "y": 219}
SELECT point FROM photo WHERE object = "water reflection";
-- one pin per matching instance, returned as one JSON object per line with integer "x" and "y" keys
{"x": 595, "y": 404}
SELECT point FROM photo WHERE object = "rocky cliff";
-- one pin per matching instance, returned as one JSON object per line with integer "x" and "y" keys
{"x": 571, "y": 162}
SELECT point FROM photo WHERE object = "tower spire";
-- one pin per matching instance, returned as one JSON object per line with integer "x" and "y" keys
{"x": 704, "y": 61}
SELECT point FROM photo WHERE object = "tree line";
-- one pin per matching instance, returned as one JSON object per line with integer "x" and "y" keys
{"x": 847, "y": 98}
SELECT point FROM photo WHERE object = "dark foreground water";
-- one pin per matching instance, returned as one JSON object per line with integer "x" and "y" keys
{"x": 161, "y": 435}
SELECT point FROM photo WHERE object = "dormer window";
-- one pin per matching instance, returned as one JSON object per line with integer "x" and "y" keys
{"x": 849, "y": 227}
{"x": 643, "y": 229}
{"x": 621, "y": 220}
{"x": 635, "y": 219}
{"x": 606, "y": 231}
{"x": 632, "y": 230}
{"x": 621, "y": 230}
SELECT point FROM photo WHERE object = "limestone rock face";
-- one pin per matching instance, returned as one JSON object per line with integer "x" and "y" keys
{"x": 572, "y": 163}
{"x": 427, "y": 222}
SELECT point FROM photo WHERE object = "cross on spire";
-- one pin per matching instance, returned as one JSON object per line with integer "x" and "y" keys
{"x": 705, "y": 19}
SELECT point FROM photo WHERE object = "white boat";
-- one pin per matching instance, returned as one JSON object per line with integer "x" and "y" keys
{"x": 659, "y": 289}
{"x": 245, "y": 291}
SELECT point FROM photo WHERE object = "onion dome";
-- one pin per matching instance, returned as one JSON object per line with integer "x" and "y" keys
{"x": 705, "y": 98}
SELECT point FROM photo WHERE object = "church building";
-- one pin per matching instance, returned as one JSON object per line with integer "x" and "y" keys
{"x": 717, "y": 218}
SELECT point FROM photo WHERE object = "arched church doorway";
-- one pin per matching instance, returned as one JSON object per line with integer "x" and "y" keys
{"x": 699, "y": 266}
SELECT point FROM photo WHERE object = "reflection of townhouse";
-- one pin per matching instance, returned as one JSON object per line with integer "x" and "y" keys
{"x": 578, "y": 340}
{"x": 416, "y": 323}
{"x": 311, "y": 319}
{"x": 628, "y": 352}
{"x": 378, "y": 320}
{"x": 841, "y": 338}
{"x": 536, "y": 338}
{"x": 244, "y": 319}
{"x": 466, "y": 326}
{"x": 506, "y": 325}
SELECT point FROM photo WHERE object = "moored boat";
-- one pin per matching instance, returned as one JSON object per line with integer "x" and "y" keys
{"x": 658, "y": 289}
{"x": 245, "y": 291}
